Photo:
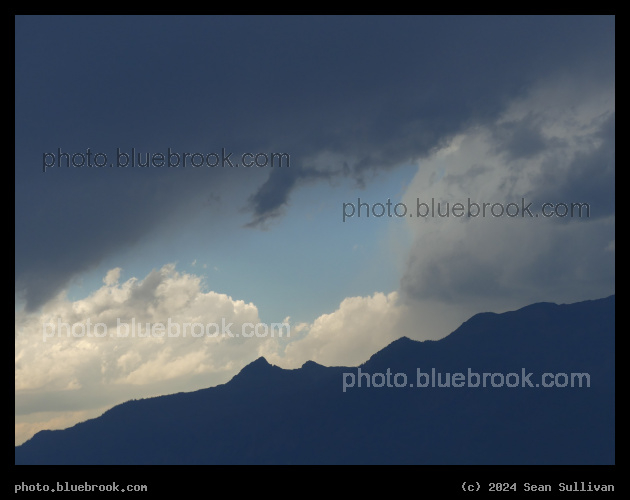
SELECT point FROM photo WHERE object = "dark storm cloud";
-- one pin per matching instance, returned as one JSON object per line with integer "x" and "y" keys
{"x": 273, "y": 195}
{"x": 374, "y": 91}
{"x": 590, "y": 177}
{"x": 522, "y": 138}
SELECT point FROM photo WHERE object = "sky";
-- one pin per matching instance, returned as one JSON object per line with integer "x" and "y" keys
{"x": 507, "y": 111}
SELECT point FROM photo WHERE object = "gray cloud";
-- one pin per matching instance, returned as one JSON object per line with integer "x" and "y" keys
{"x": 542, "y": 150}
{"x": 373, "y": 92}
{"x": 590, "y": 177}
{"x": 523, "y": 138}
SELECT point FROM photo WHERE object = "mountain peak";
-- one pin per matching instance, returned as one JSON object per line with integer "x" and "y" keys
{"x": 311, "y": 364}
{"x": 256, "y": 371}
{"x": 262, "y": 361}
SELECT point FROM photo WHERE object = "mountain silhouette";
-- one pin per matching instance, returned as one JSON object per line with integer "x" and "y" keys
{"x": 269, "y": 415}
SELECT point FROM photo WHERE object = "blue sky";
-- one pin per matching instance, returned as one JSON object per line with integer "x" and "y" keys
{"x": 306, "y": 263}
{"x": 495, "y": 109}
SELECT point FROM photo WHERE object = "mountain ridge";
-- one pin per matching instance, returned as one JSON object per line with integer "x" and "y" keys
{"x": 317, "y": 416}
